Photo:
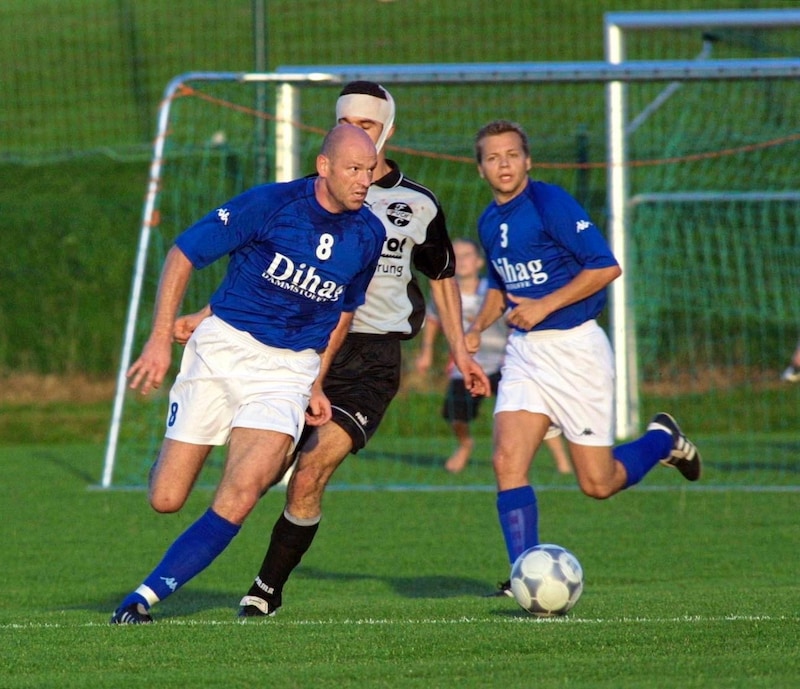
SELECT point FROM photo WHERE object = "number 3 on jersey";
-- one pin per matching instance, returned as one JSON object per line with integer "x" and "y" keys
{"x": 503, "y": 235}
{"x": 325, "y": 247}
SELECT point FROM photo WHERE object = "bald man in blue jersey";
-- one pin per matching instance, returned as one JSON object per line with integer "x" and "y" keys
{"x": 301, "y": 254}
{"x": 360, "y": 373}
{"x": 549, "y": 266}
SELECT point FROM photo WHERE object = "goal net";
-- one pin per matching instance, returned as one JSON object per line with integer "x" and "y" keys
{"x": 711, "y": 260}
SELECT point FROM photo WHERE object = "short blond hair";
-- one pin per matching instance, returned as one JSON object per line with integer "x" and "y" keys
{"x": 496, "y": 127}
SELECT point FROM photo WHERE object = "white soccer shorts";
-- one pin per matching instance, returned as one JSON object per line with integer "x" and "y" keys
{"x": 228, "y": 379}
{"x": 568, "y": 375}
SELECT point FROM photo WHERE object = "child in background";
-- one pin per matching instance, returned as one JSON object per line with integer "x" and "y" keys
{"x": 459, "y": 408}
{"x": 792, "y": 373}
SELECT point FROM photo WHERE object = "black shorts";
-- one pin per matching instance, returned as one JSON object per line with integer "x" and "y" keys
{"x": 459, "y": 404}
{"x": 361, "y": 382}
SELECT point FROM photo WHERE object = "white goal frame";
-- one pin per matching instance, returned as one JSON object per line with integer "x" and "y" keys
{"x": 615, "y": 72}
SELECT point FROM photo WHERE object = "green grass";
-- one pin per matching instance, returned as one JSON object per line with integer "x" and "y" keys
{"x": 683, "y": 589}
{"x": 413, "y": 441}
{"x": 54, "y": 422}
{"x": 753, "y": 448}
{"x": 71, "y": 248}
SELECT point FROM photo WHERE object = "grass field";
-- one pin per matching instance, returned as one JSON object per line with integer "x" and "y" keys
{"x": 684, "y": 588}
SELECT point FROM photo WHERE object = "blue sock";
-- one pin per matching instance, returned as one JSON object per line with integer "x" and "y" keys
{"x": 193, "y": 551}
{"x": 519, "y": 520}
{"x": 642, "y": 454}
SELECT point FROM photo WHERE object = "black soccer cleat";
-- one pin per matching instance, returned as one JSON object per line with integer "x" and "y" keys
{"x": 503, "y": 589}
{"x": 253, "y": 606}
{"x": 684, "y": 455}
{"x": 135, "y": 613}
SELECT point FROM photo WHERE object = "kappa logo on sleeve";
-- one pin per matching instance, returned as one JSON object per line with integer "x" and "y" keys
{"x": 171, "y": 582}
{"x": 582, "y": 225}
{"x": 224, "y": 214}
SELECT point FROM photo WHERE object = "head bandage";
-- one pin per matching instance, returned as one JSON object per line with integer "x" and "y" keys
{"x": 363, "y": 106}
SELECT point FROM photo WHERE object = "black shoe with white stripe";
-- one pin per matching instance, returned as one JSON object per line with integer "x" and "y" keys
{"x": 684, "y": 455}
{"x": 135, "y": 613}
{"x": 253, "y": 606}
{"x": 503, "y": 589}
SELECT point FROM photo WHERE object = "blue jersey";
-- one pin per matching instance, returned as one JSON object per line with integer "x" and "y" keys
{"x": 539, "y": 241}
{"x": 293, "y": 267}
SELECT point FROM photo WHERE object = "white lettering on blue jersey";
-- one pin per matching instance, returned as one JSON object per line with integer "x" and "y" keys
{"x": 293, "y": 266}
{"x": 538, "y": 242}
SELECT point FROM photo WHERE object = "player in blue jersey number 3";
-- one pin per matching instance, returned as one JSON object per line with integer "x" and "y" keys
{"x": 301, "y": 254}
{"x": 549, "y": 266}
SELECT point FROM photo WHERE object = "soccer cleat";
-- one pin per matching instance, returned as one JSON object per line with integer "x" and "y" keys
{"x": 684, "y": 455}
{"x": 503, "y": 589}
{"x": 253, "y": 606}
{"x": 135, "y": 613}
{"x": 791, "y": 375}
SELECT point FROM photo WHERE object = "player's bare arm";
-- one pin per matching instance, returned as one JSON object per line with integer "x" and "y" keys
{"x": 149, "y": 370}
{"x": 319, "y": 407}
{"x": 494, "y": 304}
{"x": 529, "y": 312}
{"x": 447, "y": 298}
{"x": 424, "y": 359}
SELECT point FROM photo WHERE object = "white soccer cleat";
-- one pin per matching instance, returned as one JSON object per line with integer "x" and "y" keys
{"x": 791, "y": 375}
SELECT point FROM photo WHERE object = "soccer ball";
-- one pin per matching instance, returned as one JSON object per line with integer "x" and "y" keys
{"x": 547, "y": 580}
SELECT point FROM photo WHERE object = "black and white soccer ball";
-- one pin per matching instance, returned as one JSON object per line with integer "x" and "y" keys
{"x": 547, "y": 580}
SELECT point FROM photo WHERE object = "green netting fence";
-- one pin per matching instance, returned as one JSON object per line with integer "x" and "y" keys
{"x": 709, "y": 273}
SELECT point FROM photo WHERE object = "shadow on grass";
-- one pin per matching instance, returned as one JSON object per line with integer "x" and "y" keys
{"x": 432, "y": 586}
{"x": 183, "y": 603}
{"x": 188, "y": 602}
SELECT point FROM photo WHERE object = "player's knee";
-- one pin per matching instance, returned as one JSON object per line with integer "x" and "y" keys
{"x": 509, "y": 470}
{"x": 596, "y": 490}
{"x": 306, "y": 485}
{"x": 166, "y": 503}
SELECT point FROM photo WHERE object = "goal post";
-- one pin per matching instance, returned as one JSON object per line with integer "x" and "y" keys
{"x": 150, "y": 219}
{"x": 203, "y": 154}
{"x": 617, "y": 29}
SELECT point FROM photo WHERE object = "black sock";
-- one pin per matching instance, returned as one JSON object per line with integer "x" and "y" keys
{"x": 288, "y": 544}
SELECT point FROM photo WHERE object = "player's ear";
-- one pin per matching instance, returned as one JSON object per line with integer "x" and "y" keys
{"x": 528, "y": 164}
{"x": 322, "y": 165}
{"x": 480, "y": 172}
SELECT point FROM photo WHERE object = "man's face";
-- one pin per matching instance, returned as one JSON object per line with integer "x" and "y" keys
{"x": 347, "y": 173}
{"x": 371, "y": 127}
{"x": 504, "y": 165}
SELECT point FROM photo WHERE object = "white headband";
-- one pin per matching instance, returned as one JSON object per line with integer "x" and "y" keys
{"x": 370, "y": 108}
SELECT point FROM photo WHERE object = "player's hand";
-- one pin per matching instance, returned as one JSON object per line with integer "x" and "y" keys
{"x": 148, "y": 371}
{"x": 526, "y": 313}
{"x": 424, "y": 361}
{"x": 472, "y": 338}
{"x": 475, "y": 378}
{"x": 186, "y": 325}
{"x": 319, "y": 408}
